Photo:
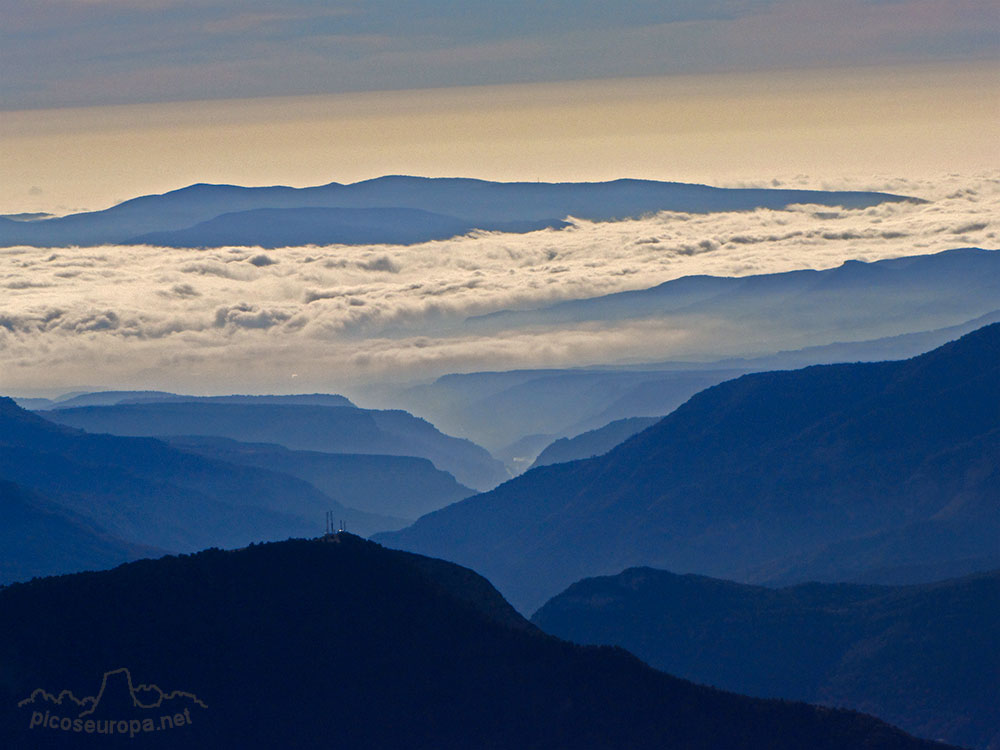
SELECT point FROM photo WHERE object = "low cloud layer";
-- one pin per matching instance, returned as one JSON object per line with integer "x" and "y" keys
{"x": 324, "y": 318}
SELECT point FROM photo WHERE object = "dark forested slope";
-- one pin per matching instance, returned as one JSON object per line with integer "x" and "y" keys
{"x": 312, "y": 644}
{"x": 922, "y": 657}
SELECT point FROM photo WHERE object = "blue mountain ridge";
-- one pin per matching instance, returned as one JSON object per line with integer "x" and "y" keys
{"x": 282, "y": 227}
{"x": 849, "y": 467}
{"x": 888, "y": 650}
{"x": 147, "y": 493}
{"x": 469, "y": 200}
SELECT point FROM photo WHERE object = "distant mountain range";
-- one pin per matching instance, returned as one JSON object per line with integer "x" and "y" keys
{"x": 76, "y": 500}
{"x": 593, "y": 442}
{"x": 831, "y": 472}
{"x": 794, "y": 309}
{"x": 281, "y": 227}
{"x": 42, "y": 538}
{"x": 340, "y": 643}
{"x": 922, "y": 657}
{"x": 299, "y": 426}
{"x": 497, "y": 408}
{"x": 654, "y": 388}
{"x": 891, "y": 309}
{"x": 902, "y": 346}
{"x": 109, "y": 398}
{"x": 390, "y": 209}
{"x": 397, "y": 486}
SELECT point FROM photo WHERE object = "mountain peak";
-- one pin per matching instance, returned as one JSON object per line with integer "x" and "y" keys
{"x": 292, "y": 643}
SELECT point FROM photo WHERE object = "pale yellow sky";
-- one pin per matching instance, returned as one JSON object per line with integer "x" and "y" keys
{"x": 860, "y": 127}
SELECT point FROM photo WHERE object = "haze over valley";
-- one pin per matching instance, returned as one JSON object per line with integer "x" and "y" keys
{"x": 565, "y": 375}
{"x": 308, "y": 319}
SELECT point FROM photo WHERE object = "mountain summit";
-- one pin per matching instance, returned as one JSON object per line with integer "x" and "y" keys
{"x": 341, "y": 643}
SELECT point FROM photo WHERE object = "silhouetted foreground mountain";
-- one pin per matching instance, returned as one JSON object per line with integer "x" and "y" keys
{"x": 40, "y": 538}
{"x": 397, "y": 486}
{"x": 145, "y": 492}
{"x": 282, "y": 227}
{"x": 922, "y": 657}
{"x": 757, "y": 478}
{"x": 311, "y": 644}
{"x": 594, "y": 442}
{"x": 474, "y": 202}
{"x": 301, "y": 427}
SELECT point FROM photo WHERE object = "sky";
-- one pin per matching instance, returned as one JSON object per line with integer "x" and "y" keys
{"x": 104, "y": 100}
{"x": 57, "y": 53}
{"x": 868, "y": 124}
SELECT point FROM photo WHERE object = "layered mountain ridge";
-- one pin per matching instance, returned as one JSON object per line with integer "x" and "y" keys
{"x": 888, "y": 309}
{"x": 419, "y": 209}
{"x": 135, "y": 494}
{"x": 833, "y": 469}
{"x": 299, "y": 426}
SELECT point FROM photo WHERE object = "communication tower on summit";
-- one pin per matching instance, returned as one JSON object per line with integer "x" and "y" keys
{"x": 332, "y": 529}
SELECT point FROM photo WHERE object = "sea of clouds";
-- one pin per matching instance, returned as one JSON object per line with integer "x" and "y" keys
{"x": 323, "y": 318}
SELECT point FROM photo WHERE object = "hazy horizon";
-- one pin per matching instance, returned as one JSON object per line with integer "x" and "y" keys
{"x": 544, "y": 383}
{"x": 132, "y": 99}
{"x": 861, "y": 128}
{"x": 329, "y": 318}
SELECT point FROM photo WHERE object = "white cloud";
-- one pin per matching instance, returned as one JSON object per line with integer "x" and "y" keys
{"x": 221, "y": 319}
